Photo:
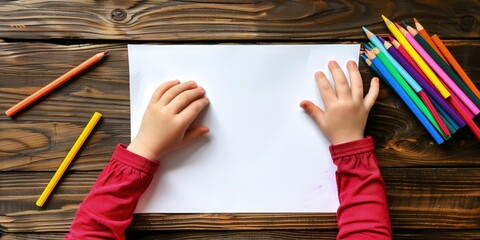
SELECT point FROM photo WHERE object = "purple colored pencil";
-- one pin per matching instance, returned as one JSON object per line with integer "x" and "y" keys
{"x": 425, "y": 85}
{"x": 381, "y": 39}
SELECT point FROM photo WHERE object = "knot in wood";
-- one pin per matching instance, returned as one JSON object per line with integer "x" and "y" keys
{"x": 118, "y": 14}
{"x": 467, "y": 23}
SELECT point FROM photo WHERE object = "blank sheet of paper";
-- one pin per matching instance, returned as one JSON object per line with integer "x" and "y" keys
{"x": 263, "y": 153}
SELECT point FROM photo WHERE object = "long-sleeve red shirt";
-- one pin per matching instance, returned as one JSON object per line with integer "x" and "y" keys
{"x": 108, "y": 209}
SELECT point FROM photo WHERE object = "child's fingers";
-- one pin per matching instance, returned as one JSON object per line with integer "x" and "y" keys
{"x": 315, "y": 112}
{"x": 355, "y": 80}
{"x": 341, "y": 85}
{"x": 174, "y": 91}
{"x": 372, "y": 93}
{"x": 192, "y": 110}
{"x": 162, "y": 89}
{"x": 182, "y": 100}
{"x": 192, "y": 135}
{"x": 326, "y": 90}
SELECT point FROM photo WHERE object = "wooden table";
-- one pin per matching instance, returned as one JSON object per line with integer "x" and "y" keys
{"x": 433, "y": 191}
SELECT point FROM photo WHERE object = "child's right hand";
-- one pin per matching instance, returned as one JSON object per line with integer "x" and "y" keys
{"x": 346, "y": 110}
{"x": 171, "y": 110}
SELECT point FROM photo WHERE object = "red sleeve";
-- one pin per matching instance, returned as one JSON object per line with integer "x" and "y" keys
{"x": 363, "y": 211}
{"x": 108, "y": 209}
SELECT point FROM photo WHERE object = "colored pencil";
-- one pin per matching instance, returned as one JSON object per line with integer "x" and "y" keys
{"x": 392, "y": 60}
{"x": 438, "y": 70}
{"x": 449, "y": 71}
{"x": 421, "y": 63}
{"x": 367, "y": 46}
{"x": 423, "y": 32}
{"x": 403, "y": 95}
{"x": 453, "y": 62}
{"x": 451, "y": 124}
{"x": 464, "y": 113}
{"x": 470, "y": 123}
{"x": 404, "y": 53}
{"x": 54, "y": 84}
{"x": 383, "y": 59}
{"x": 68, "y": 159}
{"x": 428, "y": 86}
{"x": 369, "y": 63}
{"x": 422, "y": 92}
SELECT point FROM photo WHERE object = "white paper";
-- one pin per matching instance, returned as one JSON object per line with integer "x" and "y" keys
{"x": 263, "y": 153}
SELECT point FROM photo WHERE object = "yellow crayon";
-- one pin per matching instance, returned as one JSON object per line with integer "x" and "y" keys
{"x": 68, "y": 159}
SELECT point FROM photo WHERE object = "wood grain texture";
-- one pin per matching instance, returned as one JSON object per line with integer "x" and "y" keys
{"x": 259, "y": 235}
{"x": 45, "y": 131}
{"x": 418, "y": 198}
{"x": 433, "y": 191}
{"x": 228, "y": 20}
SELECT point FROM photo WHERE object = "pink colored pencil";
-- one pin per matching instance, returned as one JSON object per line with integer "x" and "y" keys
{"x": 439, "y": 71}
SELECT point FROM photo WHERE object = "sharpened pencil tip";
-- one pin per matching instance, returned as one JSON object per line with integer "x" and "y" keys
{"x": 105, "y": 53}
{"x": 367, "y": 32}
{"x": 390, "y": 37}
{"x": 415, "y": 20}
{"x": 386, "y": 20}
{"x": 412, "y": 30}
{"x": 418, "y": 26}
{"x": 402, "y": 30}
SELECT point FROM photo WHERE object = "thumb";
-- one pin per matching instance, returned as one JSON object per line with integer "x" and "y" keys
{"x": 193, "y": 134}
{"x": 315, "y": 112}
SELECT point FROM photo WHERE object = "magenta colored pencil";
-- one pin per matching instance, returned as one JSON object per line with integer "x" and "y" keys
{"x": 426, "y": 86}
{"x": 423, "y": 95}
{"x": 441, "y": 74}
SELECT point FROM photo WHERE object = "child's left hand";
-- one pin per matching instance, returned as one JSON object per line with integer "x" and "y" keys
{"x": 171, "y": 110}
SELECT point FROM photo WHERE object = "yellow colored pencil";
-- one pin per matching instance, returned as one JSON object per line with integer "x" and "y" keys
{"x": 416, "y": 57}
{"x": 68, "y": 159}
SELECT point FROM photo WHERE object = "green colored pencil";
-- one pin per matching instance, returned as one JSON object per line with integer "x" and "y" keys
{"x": 408, "y": 89}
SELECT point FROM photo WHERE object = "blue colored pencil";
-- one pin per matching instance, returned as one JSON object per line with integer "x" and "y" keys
{"x": 416, "y": 87}
{"x": 396, "y": 86}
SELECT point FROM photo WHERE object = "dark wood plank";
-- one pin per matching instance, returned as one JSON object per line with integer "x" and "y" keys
{"x": 45, "y": 131}
{"x": 228, "y": 20}
{"x": 262, "y": 235}
{"x": 295, "y": 235}
{"x": 418, "y": 198}
{"x": 54, "y": 122}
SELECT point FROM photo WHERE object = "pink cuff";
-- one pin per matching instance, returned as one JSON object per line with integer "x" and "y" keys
{"x": 133, "y": 160}
{"x": 351, "y": 148}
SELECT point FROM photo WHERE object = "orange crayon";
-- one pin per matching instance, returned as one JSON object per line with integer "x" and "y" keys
{"x": 54, "y": 84}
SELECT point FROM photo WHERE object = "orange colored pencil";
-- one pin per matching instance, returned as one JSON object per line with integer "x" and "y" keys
{"x": 423, "y": 32}
{"x": 453, "y": 62}
{"x": 54, "y": 84}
